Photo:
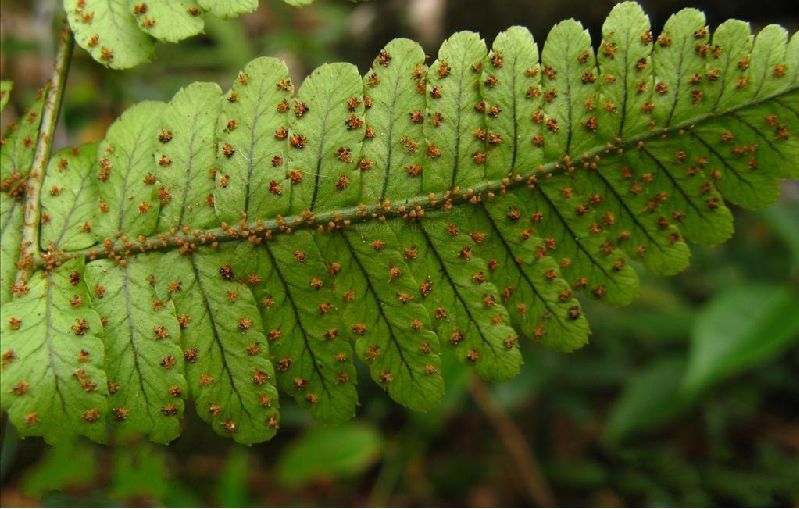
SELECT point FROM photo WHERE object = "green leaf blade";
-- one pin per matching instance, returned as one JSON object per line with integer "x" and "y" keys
{"x": 455, "y": 156}
{"x": 10, "y": 242}
{"x": 511, "y": 88}
{"x": 768, "y": 68}
{"x": 679, "y": 67}
{"x": 392, "y": 165}
{"x": 738, "y": 330}
{"x": 735, "y": 38}
{"x": 68, "y": 199}
{"x": 543, "y": 305}
{"x": 227, "y": 368}
{"x": 651, "y": 399}
{"x": 53, "y": 382}
{"x": 228, "y": 8}
{"x": 185, "y": 164}
{"x": 476, "y": 325}
{"x": 125, "y": 180}
{"x": 168, "y": 20}
{"x": 616, "y": 184}
{"x": 692, "y": 202}
{"x": 312, "y": 358}
{"x": 572, "y": 235}
{"x": 326, "y": 139}
{"x": 625, "y": 61}
{"x": 5, "y": 93}
{"x": 253, "y": 171}
{"x": 19, "y": 144}
{"x": 390, "y": 328}
{"x": 329, "y": 453}
{"x": 141, "y": 333}
{"x": 109, "y": 32}
{"x": 568, "y": 93}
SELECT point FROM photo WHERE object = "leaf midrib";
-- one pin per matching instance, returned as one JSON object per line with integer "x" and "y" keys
{"x": 305, "y": 335}
{"x": 394, "y": 340}
{"x": 389, "y": 137}
{"x": 328, "y": 106}
{"x": 129, "y": 304}
{"x": 129, "y": 169}
{"x": 575, "y": 236}
{"x": 456, "y": 290}
{"x": 524, "y": 275}
{"x": 217, "y": 339}
{"x": 258, "y": 112}
{"x": 189, "y": 174}
{"x": 75, "y": 205}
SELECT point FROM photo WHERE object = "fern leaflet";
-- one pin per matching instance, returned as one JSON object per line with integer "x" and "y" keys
{"x": 121, "y": 34}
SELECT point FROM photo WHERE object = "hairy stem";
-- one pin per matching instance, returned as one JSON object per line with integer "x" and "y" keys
{"x": 52, "y": 107}
{"x": 521, "y": 453}
{"x": 187, "y": 239}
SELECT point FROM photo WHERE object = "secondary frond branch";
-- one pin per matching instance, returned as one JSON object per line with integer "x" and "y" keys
{"x": 52, "y": 108}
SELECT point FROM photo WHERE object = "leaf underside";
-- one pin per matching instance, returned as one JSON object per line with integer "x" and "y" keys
{"x": 266, "y": 239}
{"x": 121, "y": 34}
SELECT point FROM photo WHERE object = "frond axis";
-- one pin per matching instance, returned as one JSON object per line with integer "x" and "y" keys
{"x": 410, "y": 208}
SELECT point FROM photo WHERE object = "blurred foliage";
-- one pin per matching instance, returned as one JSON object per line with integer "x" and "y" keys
{"x": 329, "y": 453}
{"x": 739, "y": 329}
{"x": 688, "y": 397}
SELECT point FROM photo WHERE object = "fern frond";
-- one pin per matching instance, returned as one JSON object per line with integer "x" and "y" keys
{"x": 109, "y": 32}
{"x": 259, "y": 238}
{"x": 121, "y": 34}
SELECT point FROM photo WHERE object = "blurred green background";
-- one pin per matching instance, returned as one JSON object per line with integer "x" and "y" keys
{"x": 688, "y": 397}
